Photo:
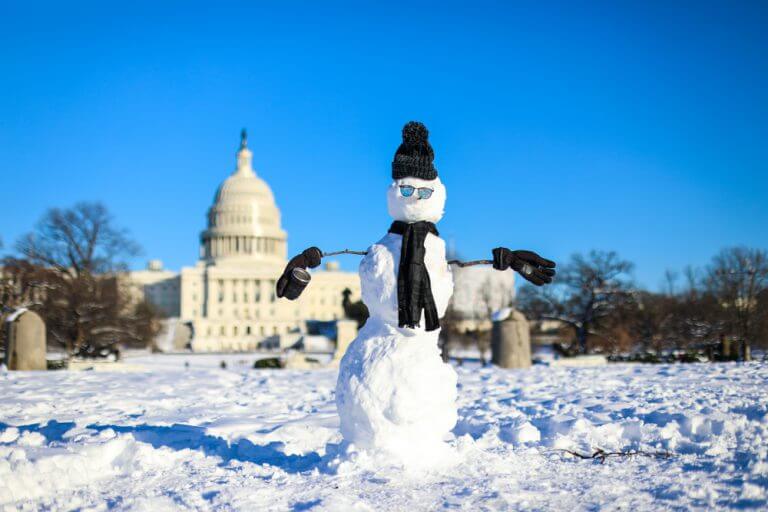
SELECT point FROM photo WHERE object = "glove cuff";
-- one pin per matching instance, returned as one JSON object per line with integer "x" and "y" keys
{"x": 312, "y": 256}
{"x": 501, "y": 259}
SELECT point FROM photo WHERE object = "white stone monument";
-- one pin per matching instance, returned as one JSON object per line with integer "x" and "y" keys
{"x": 25, "y": 341}
{"x": 511, "y": 340}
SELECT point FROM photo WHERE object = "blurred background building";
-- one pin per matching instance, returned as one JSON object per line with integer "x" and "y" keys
{"x": 228, "y": 297}
{"x": 479, "y": 292}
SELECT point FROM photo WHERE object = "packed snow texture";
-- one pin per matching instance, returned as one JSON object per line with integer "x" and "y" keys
{"x": 378, "y": 276}
{"x": 413, "y": 209}
{"x": 396, "y": 398}
{"x": 238, "y": 439}
{"x": 395, "y": 395}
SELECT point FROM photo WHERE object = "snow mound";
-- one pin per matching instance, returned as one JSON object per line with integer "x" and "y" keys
{"x": 31, "y": 474}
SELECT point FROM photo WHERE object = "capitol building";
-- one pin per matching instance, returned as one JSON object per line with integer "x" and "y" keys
{"x": 228, "y": 297}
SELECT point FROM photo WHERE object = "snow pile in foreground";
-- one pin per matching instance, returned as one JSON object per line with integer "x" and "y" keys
{"x": 205, "y": 438}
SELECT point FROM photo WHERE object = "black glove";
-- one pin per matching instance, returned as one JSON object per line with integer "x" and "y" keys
{"x": 309, "y": 258}
{"x": 528, "y": 264}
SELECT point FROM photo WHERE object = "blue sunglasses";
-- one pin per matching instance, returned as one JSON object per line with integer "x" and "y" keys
{"x": 424, "y": 192}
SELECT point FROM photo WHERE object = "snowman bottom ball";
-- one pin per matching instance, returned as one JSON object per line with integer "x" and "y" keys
{"x": 394, "y": 393}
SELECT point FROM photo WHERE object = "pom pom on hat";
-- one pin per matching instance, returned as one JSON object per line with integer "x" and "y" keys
{"x": 415, "y": 155}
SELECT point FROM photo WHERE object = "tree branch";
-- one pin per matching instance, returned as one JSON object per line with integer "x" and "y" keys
{"x": 602, "y": 455}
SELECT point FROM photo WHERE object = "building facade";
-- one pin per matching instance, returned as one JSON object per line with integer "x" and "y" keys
{"x": 228, "y": 297}
{"x": 478, "y": 292}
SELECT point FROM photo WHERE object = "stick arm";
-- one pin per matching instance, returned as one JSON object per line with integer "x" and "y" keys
{"x": 526, "y": 269}
{"x": 345, "y": 251}
{"x": 470, "y": 263}
{"x": 450, "y": 262}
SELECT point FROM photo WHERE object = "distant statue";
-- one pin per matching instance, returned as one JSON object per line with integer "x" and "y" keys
{"x": 243, "y": 139}
{"x": 356, "y": 311}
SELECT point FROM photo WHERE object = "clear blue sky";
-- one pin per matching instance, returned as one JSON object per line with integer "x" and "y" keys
{"x": 561, "y": 128}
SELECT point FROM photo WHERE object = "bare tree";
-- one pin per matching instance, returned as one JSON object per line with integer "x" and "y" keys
{"x": 79, "y": 241}
{"x": 83, "y": 255}
{"x": 696, "y": 316}
{"x": 22, "y": 286}
{"x": 587, "y": 291}
{"x": 649, "y": 319}
{"x": 761, "y": 327}
{"x": 737, "y": 276}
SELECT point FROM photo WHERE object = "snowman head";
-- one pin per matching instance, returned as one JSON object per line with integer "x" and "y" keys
{"x": 413, "y": 208}
{"x": 416, "y": 194}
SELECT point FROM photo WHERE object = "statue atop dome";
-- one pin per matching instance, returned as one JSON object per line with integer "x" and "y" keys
{"x": 244, "y": 156}
{"x": 243, "y": 221}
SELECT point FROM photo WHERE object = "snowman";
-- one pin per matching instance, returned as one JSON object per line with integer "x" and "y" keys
{"x": 395, "y": 396}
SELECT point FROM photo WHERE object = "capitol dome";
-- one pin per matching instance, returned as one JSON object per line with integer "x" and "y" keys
{"x": 244, "y": 221}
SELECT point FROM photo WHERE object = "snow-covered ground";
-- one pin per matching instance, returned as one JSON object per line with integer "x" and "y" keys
{"x": 170, "y": 438}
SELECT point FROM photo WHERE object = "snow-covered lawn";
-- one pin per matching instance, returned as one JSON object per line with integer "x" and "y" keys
{"x": 171, "y": 438}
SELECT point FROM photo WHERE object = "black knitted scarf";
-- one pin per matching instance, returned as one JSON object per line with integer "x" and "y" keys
{"x": 414, "y": 289}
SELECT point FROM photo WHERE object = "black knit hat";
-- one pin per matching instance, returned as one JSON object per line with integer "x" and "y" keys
{"x": 414, "y": 156}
